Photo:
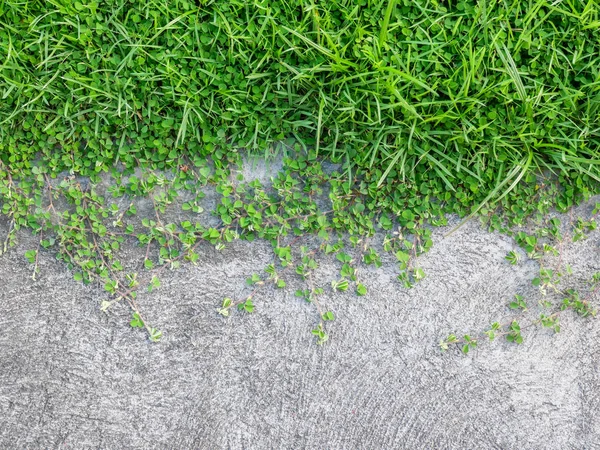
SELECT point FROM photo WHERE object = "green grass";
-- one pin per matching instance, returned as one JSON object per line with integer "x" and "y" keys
{"x": 471, "y": 93}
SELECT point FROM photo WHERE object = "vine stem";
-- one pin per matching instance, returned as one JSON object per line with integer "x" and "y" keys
{"x": 37, "y": 253}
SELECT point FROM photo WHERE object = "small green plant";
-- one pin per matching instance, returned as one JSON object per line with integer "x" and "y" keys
{"x": 137, "y": 321}
{"x": 512, "y": 257}
{"x": 554, "y": 300}
{"x": 154, "y": 334}
{"x": 513, "y": 329}
{"x": 518, "y": 303}
{"x": 309, "y": 295}
{"x": 320, "y": 333}
{"x": 224, "y": 309}
{"x": 340, "y": 285}
{"x": 254, "y": 279}
{"x": 469, "y": 344}
{"x": 246, "y": 306}
{"x": 372, "y": 257}
{"x": 328, "y": 316}
{"x": 361, "y": 289}
{"x": 551, "y": 321}
{"x": 582, "y": 227}
{"x": 580, "y": 306}
{"x": 495, "y": 328}
{"x": 514, "y": 333}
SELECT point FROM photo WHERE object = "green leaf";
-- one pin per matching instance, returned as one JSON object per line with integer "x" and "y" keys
{"x": 512, "y": 257}
{"x": 385, "y": 222}
{"x": 402, "y": 256}
{"x": 31, "y": 255}
{"x": 408, "y": 215}
{"x": 343, "y": 257}
{"x": 328, "y": 316}
{"x": 136, "y": 322}
{"x": 247, "y": 306}
{"x": 419, "y": 274}
{"x": 155, "y": 334}
{"x": 154, "y": 283}
{"x": 361, "y": 289}
{"x": 341, "y": 285}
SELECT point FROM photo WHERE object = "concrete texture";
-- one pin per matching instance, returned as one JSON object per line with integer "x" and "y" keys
{"x": 74, "y": 377}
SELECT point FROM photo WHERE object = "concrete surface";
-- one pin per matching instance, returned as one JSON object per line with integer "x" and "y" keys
{"x": 74, "y": 377}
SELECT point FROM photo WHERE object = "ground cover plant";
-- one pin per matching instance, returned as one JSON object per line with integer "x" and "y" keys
{"x": 486, "y": 108}
{"x": 87, "y": 225}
